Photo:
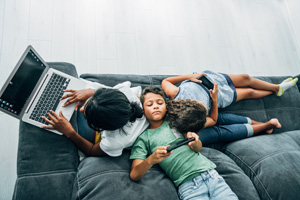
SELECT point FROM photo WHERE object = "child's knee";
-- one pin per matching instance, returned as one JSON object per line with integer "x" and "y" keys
{"x": 245, "y": 93}
{"x": 250, "y": 93}
{"x": 246, "y": 78}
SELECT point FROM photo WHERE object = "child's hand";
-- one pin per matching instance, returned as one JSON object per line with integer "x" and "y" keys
{"x": 214, "y": 93}
{"x": 195, "y": 77}
{"x": 195, "y": 145}
{"x": 159, "y": 155}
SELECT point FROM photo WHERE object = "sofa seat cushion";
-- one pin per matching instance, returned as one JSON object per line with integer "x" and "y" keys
{"x": 269, "y": 161}
{"x": 102, "y": 177}
{"x": 232, "y": 174}
{"x": 108, "y": 178}
{"x": 46, "y": 186}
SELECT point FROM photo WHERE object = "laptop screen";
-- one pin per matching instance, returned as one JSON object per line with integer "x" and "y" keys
{"x": 22, "y": 84}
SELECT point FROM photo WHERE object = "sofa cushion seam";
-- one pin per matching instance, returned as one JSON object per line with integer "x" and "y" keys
{"x": 99, "y": 174}
{"x": 103, "y": 173}
{"x": 255, "y": 175}
{"x": 46, "y": 173}
{"x": 78, "y": 186}
{"x": 269, "y": 156}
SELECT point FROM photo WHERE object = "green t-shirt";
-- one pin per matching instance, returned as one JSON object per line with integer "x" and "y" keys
{"x": 182, "y": 165}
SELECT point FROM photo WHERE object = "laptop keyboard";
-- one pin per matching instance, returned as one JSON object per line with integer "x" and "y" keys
{"x": 50, "y": 97}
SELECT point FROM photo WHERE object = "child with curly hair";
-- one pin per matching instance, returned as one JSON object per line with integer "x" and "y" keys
{"x": 232, "y": 88}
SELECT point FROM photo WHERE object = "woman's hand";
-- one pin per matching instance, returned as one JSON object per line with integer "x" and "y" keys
{"x": 159, "y": 155}
{"x": 214, "y": 93}
{"x": 195, "y": 145}
{"x": 59, "y": 123}
{"x": 77, "y": 96}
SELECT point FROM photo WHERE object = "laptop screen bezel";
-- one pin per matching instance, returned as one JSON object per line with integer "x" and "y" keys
{"x": 12, "y": 74}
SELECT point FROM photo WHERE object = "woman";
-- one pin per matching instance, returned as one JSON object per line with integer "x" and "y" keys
{"x": 115, "y": 113}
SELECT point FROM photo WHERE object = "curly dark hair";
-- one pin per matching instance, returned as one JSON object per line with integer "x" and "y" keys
{"x": 152, "y": 89}
{"x": 186, "y": 115}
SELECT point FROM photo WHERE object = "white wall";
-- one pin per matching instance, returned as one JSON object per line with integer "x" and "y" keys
{"x": 293, "y": 14}
{"x": 259, "y": 37}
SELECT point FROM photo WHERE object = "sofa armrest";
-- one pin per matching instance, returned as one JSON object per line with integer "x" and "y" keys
{"x": 47, "y": 162}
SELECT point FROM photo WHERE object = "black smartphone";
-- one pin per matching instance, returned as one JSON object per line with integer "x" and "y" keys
{"x": 179, "y": 144}
{"x": 207, "y": 83}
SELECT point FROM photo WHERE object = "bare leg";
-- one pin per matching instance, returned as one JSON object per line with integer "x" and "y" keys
{"x": 255, "y": 122}
{"x": 243, "y": 80}
{"x": 257, "y": 88}
{"x": 250, "y": 93}
{"x": 268, "y": 126}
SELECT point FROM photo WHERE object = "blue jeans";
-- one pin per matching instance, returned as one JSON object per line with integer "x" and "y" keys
{"x": 83, "y": 128}
{"x": 208, "y": 185}
{"x": 229, "y": 127}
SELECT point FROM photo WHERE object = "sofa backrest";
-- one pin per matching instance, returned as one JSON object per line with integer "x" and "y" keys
{"x": 284, "y": 108}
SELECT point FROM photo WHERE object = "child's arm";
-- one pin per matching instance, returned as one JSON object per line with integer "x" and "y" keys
{"x": 195, "y": 145}
{"x": 211, "y": 120}
{"x": 168, "y": 84}
{"x": 139, "y": 167}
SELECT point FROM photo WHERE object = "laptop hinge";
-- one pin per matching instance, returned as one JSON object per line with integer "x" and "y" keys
{"x": 37, "y": 93}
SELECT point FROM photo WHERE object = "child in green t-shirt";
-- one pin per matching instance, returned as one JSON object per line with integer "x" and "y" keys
{"x": 186, "y": 166}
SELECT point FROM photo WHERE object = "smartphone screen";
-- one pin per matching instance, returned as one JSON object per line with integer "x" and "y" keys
{"x": 207, "y": 83}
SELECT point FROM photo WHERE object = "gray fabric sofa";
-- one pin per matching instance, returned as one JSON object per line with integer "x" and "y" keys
{"x": 261, "y": 167}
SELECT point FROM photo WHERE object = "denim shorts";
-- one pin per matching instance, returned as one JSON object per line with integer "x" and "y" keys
{"x": 229, "y": 127}
{"x": 208, "y": 185}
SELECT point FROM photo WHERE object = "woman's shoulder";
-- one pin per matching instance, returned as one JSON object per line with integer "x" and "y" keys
{"x": 132, "y": 93}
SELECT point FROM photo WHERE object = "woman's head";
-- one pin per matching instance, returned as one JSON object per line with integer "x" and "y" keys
{"x": 109, "y": 109}
{"x": 186, "y": 115}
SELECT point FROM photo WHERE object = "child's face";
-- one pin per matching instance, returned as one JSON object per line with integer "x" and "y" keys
{"x": 154, "y": 107}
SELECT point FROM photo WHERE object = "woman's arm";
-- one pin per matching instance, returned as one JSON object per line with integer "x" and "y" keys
{"x": 168, "y": 84}
{"x": 139, "y": 167}
{"x": 88, "y": 148}
{"x": 212, "y": 119}
{"x": 61, "y": 124}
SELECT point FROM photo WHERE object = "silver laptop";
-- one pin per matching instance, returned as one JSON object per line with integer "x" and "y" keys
{"x": 33, "y": 88}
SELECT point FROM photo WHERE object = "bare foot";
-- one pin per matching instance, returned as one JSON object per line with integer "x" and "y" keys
{"x": 275, "y": 123}
{"x": 269, "y": 131}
